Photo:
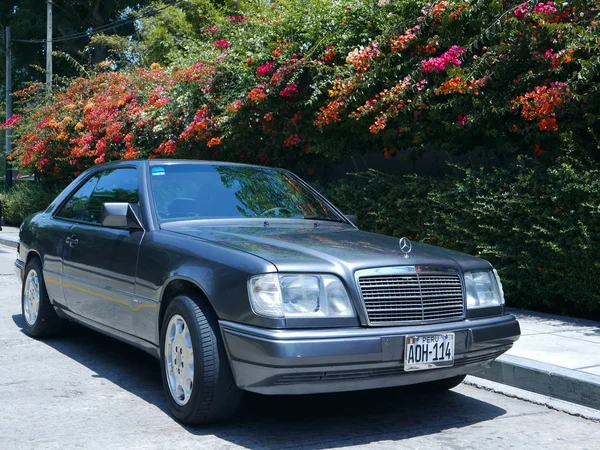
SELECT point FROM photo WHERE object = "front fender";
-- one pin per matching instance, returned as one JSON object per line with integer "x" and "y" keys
{"x": 220, "y": 272}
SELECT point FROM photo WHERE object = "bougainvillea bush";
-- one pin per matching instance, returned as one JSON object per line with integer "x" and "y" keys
{"x": 297, "y": 83}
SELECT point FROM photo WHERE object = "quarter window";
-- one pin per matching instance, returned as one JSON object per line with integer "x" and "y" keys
{"x": 74, "y": 209}
{"x": 117, "y": 185}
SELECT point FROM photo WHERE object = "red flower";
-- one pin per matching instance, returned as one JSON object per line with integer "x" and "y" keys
{"x": 265, "y": 69}
{"x": 520, "y": 11}
{"x": 537, "y": 150}
{"x": 263, "y": 158}
{"x": 462, "y": 120}
{"x": 289, "y": 91}
{"x": 222, "y": 43}
{"x": 292, "y": 140}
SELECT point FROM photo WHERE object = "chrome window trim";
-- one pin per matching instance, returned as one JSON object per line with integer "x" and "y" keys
{"x": 408, "y": 270}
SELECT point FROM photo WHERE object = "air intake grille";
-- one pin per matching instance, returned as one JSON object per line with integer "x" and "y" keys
{"x": 412, "y": 298}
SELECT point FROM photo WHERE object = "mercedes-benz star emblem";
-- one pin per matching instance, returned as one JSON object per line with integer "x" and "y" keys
{"x": 405, "y": 246}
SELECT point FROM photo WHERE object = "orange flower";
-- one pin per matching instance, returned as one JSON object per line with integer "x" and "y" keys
{"x": 329, "y": 114}
{"x": 548, "y": 124}
{"x": 166, "y": 148}
{"x": 257, "y": 94}
{"x": 213, "y": 142}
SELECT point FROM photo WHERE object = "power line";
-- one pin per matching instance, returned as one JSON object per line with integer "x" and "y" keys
{"x": 92, "y": 31}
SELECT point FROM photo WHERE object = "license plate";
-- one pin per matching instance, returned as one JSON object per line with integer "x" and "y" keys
{"x": 428, "y": 351}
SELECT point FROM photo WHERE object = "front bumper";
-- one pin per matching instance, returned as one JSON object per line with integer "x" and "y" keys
{"x": 346, "y": 359}
{"x": 19, "y": 269}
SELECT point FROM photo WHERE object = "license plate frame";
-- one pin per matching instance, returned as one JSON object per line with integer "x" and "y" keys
{"x": 428, "y": 351}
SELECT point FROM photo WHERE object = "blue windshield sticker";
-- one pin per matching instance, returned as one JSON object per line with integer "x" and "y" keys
{"x": 157, "y": 171}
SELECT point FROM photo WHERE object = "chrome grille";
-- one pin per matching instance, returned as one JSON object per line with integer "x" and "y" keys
{"x": 412, "y": 297}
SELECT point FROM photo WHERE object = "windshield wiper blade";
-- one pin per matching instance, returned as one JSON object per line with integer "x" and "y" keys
{"x": 328, "y": 219}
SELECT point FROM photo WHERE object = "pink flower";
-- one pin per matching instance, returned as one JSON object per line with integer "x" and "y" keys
{"x": 236, "y": 19}
{"x": 439, "y": 64}
{"x": 212, "y": 30}
{"x": 222, "y": 43}
{"x": 289, "y": 91}
{"x": 548, "y": 8}
{"x": 12, "y": 121}
{"x": 263, "y": 158}
{"x": 462, "y": 120}
{"x": 265, "y": 69}
{"x": 549, "y": 53}
{"x": 44, "y": 161}
{"x": 521, "y": 11}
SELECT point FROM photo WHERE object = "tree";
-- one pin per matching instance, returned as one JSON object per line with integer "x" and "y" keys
{"x": 72, "y": 20}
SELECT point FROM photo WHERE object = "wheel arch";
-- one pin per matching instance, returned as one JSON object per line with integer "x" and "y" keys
{"x": 177, "y": 286}
{"x": 32, "y": 253}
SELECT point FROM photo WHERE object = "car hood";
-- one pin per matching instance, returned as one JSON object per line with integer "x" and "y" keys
{"x": 320, "y": 245}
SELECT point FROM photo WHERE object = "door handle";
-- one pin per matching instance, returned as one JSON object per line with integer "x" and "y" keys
{"x": 72, "y": 241}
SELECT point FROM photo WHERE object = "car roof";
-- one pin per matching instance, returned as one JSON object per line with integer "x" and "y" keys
{"x": 169, "y": 162}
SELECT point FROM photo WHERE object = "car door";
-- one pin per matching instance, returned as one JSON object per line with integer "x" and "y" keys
{"x": 54, "y": 236}
{"x": 99, "y": 263}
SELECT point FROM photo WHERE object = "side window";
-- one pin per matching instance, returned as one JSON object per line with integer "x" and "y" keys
{"x": 75, "y": 207}
{"x": 117, "y": 185}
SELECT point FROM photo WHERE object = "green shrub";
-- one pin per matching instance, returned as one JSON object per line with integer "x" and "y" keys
{"x": 539, "y": 226}
{"x": 26, "y": 198}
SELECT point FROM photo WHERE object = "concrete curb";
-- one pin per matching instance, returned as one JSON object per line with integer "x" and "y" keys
{"x": 8, "y": 242}
{"x": 547, "y": 379}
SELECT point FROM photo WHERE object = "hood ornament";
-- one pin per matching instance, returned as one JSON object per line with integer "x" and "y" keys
{"x": 405, "y": 246}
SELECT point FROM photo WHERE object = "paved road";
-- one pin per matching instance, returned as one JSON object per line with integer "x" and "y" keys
{"x": 84, "y": 390}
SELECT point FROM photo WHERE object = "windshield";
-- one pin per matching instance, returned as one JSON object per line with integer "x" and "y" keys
{"x": 203, "y": 191}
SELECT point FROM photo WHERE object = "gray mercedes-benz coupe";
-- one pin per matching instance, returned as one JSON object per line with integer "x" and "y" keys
{"x": 244, "y": 278}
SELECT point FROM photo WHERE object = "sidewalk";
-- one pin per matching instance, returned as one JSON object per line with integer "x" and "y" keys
{"x": 9, "y": 236}
{"x": 555, "y": 356}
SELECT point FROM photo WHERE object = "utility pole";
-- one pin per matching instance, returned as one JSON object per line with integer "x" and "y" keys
{"x": 8, "y": 131}
{"x": 49, "y": 45}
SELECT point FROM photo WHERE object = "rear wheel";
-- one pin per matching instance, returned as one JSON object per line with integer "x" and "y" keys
{"x": 40, "y": 317}
{"x": 196, "y": 375}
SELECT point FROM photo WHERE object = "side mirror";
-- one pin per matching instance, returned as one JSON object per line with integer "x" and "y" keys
{"x": 351, "y": 218}
{"x": 120, "y": 215}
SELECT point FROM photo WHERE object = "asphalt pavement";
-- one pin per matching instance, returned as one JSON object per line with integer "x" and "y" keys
{"x": 85, "y": 390}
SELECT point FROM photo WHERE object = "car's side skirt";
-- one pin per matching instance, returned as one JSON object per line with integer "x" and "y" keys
{"x": 142, "y": 344}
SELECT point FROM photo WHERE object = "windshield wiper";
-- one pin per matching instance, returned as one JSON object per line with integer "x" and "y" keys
{"x": 328, "y": 219}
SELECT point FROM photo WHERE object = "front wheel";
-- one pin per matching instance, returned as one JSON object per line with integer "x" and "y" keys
{"x": 196, "y": 375}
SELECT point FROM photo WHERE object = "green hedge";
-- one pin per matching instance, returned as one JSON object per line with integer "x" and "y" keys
{"x": 539, "y": 226}
{"x": 26, "y": 198}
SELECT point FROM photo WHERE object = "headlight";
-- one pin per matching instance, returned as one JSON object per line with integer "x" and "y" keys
{"x": 299, "y": 296}
{"x": 484, "y": 289}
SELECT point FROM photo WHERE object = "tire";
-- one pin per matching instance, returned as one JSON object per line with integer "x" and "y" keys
{"x": 441, "y": 385}
{"x": 213, "y": 395}
{"x": 39, "y": 315}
